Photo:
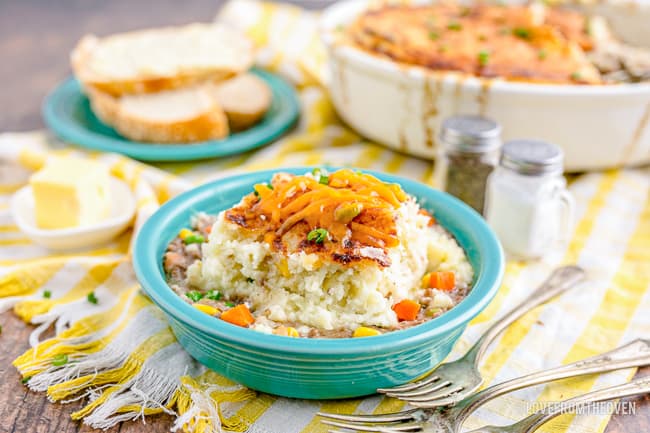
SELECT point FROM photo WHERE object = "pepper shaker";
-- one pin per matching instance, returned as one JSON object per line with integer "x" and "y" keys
{"x": 468, "y": 154}
{"x": 527, "y": 203}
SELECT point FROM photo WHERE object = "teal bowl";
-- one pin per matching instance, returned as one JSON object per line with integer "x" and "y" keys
{"x": 315, "y": 368}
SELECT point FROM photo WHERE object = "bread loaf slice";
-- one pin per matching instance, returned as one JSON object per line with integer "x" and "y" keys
{"x": 245, "y": 99}
{"x": 185, "y": 115}
{"x": 167, "y": 58}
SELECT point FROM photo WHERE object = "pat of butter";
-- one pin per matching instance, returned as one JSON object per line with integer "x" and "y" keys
{"x": 71, "y": 192}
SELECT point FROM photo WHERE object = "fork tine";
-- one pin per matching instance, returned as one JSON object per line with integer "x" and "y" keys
{"x": 420, "y": 391}
{"x": 375, "y": 428}
{"x": 378, "y": 419}
{"x": 432, "y": 400}
{"x": 443, "y": 402}
{"x": 357, "y": 427}
{"x": 409, "y": 386}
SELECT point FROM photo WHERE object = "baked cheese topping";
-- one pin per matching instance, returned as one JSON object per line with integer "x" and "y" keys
{"x": 512, "y": 42}
{"x": 346, "y": 215}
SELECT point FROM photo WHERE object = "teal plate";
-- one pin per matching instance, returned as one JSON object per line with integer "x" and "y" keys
{"x": 304, "y": 367}
{"x": 67, "y": 113}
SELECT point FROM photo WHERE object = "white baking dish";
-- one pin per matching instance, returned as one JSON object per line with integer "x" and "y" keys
{"x": 402, "y": 106}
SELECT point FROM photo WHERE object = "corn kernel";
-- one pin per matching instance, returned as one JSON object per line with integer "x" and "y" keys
{"x": 363, "y": 331}
{"x": 426, "y": 280}
{"x": 207, "y": 309}
{"x": 184, "y": 233}
{"x": 283, "y": 267}
{"x": 286, "y": 331}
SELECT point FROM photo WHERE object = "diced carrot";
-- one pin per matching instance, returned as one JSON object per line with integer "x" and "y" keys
{"x": 208, "y": 229}
{"x": 432, "y": 220}
{"x": 239, "y": 315}
{"x": 406, "y": 309}
{"x": 442, "y": 280}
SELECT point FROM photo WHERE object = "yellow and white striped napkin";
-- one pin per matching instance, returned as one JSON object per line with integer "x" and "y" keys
{"x": 121, "y": 355}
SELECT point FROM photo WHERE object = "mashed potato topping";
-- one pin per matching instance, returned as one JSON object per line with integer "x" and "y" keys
{"x": 325, "y": 255}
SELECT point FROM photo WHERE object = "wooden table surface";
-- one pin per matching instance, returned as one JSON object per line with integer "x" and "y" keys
{"x": 35, "y": 39}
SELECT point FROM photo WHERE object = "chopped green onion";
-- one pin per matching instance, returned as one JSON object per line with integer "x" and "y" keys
{"x": 322, "y": 175}
{"x": 26, "y": 379}
{"x": 433, "y": 35}
{"x": 47, "y": 294}
{"x": 443, "y": 48}
{"x": 521, "y": 32}
{"x": 60, "y": 359}
{"x": 317, "y": 235}
{"x": 483, "y": 58}
{"x": 455, "y": 26}
{"x": 576, "y": 76}
{"x": 194, "y": 295}
{"x": 194, "y": 239}
{"x": 541, "y": 54}
{"x": 250, "y": 280}
{"x": 92, "y": 298}
{"x": 230, "y": 304}
{"x": 432, "y": 311}
{"x": 215, "y": 295}
{"x": 257, "y": 194}
{"x": 347, "y": 211}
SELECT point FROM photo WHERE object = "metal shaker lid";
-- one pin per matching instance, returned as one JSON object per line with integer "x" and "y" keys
{"x": 532, "y": 157}
{"x": 470, "y": 133}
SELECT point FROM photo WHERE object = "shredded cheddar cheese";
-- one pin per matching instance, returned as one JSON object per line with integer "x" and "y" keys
{"x": 355, "y": 209}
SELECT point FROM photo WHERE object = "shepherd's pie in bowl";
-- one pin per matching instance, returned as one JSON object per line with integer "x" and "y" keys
{"x": 316, "y": 283}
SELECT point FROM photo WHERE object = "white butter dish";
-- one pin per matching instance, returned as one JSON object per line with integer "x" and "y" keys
{"x": 123, "y": 208}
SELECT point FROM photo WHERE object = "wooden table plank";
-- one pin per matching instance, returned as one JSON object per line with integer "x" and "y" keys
{"x": 36, "y": 37}
{"x": 22, "y": 410}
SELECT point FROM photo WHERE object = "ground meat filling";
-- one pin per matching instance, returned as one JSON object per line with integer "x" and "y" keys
{"x": 179, "y": 255}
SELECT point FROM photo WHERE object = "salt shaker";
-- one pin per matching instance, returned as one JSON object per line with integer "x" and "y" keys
{"x": 468, "y": 154}
{"x": 527, "y": 203}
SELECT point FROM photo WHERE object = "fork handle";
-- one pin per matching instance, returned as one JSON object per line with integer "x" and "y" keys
{"x": 534, "y": 421}
{"x": 633, "y": 354}
{"x": 561, "y": 280}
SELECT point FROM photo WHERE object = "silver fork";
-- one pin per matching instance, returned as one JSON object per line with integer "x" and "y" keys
{"x": 451, "y": 419}
{"x": 453, "y": 381}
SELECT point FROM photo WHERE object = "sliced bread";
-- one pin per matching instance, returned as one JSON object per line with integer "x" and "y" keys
{"x": 152, "y": 60}
{"x": 245, "y": 99}
{"x": 183, "y": 115}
